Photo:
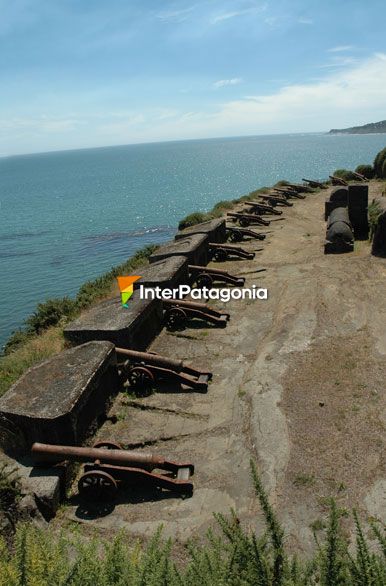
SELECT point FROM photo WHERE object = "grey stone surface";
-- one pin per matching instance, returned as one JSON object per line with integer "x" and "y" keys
{"x": 166, "y": 273}
{"x": 215, "y": 230}
{"x": 59, "y": 399}
{"x": 133, "y": 326}
{"x": 194, "y": 248}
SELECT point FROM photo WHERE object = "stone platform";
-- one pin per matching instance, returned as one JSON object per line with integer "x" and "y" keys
{"x": 194, "y": 248}
{"x": 167, "y": 273}
{"x": 58, "y": 400}
{"x": 214, "y": 229}
{"x": 132, "y": 327}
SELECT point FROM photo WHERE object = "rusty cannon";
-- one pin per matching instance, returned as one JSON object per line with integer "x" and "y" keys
{"x": 339, "y": 236}
{"x": 338, "y": 180}
{"x": 315, "y": 184}
{"x": 179, "y": 311}
{"x": 288, "y": 192}
{"x": 276, "y": 200}
{"x": 144, "y": 369}
{"x": 238, "y": 234}
{"x": 221, "y": 252}
{"x": 108, "y": 466}
{"x": 262, "y": 208}
{"x": 246, "y": 220}
{"x": 206, "y": 277}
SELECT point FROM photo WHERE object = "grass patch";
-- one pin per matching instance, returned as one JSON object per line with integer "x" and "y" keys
{"x": 35, "y": 349}
{"x": 42, "y": 336}
{"x": 231, "y": 555}
{"x": 304, "y": 480}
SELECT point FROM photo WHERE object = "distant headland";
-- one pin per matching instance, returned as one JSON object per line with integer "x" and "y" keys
{"x": 372, "y": 128}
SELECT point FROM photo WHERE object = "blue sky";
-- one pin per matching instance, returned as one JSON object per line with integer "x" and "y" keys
{"x": 83, "y": 73}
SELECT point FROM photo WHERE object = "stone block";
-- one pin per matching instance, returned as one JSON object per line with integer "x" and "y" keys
{"x": 134, "y": 326}
{"x": 167, "y": 273}
{"x": 194, "y": 248}
{"x": 214, "y": 229}
{"x": 60, "y": 399}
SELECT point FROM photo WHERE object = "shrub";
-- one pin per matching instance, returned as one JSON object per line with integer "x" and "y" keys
{"x": 50, "y": 313}
{"x": 230, "y": 556}
{"x": 9, "y": 487}
{"x": 345, "y": 174}
{"x": 383, "y": 175}
{"x": 378, "y": 164}
{"x": 366, "y": 170}
{"x": 193, "y": 219}
{"x": 17, "y": 339}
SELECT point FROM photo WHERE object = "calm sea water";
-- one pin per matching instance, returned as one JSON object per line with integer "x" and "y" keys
{"x": 67, "y": 217}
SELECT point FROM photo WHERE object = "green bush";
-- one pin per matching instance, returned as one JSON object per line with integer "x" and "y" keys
{"x": 378, "y": 164}
{"x": 366, "y": 170}
{"x": 383, "y": 176}
{"x": 9, "y": 487}
{"x": 50, "y": 313}
{"x": 345, "y": 174}
{"x": 16, "y": 339}
{"x": 231, "y": 556}
{"x": 193, "y": 219}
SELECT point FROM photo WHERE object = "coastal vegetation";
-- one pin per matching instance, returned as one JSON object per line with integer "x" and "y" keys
{"x": 231, "y": 555}
{"x": 375, "y": 171}
{"x": 219, "y": 208}
{"x": 42, "y": 335}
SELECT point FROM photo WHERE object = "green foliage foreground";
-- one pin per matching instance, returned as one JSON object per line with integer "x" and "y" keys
{"x": 231, "y": 556}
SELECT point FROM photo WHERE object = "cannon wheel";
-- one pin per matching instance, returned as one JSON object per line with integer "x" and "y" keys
{"x": 175, "y": 318}
{"x": 236, "y": 236}
{"x": 204, "y": 280}
{"x": 108, "y": 445}
{"x": 244, "y": 222}
{"x": 97, "y": 485}
{"x": 139, "y": 376}
{"x": 220, "y": 255}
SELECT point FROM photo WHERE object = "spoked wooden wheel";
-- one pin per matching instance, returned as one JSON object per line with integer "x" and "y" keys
{"x": 175, "y": 318}
{"x": 139, "y": 376}
{"x": 97, "y": 485}
{"x": 220, "y": 255}
{"x": 244, "y": 222}
{"x": 204, "y": 280}
{"x": 108, "y": 445}
{"x": 236, "y": 237}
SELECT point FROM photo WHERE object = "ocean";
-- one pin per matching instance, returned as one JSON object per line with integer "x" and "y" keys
{"x": 67, "y": 217}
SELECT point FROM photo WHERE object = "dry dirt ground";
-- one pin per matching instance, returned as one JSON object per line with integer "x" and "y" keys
{"x": 298, "y": 386}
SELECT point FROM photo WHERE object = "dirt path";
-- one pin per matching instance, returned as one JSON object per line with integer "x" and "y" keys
{"x": 298, "y": 385}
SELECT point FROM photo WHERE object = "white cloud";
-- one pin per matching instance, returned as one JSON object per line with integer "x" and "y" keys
{"x": 305, "y": 20}
{"x": 340, "y": 49}
{"x": 175, "y": 15}
{"x": 235, "y": 13}
{"x": 339, "y": 62}
{"x": 226, "y": 16}
{"x": 225, "y": 82}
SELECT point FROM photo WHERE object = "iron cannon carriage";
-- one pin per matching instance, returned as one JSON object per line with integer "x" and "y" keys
{"x": 206, "y": 277}
{"x": 221, "y": 252}
{"x": 261, "y": 208}
{"x": 246, "y": 220}
{"x": 178, "y": 311}
{"x": 238, "y": 234}
{"x": 144, "y": 369}
{"x": 108, "y": 466}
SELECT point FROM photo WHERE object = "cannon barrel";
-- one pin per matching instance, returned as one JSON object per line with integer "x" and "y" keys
{"x": 187, "y": 304}
{"x": 152, "y": 359}
{"x": 208, "y": 270}
{"x": 52, "y": 453}
{"x": 339, "y": 227}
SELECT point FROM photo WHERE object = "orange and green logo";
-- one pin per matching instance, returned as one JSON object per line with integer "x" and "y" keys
{"x": 126, "y": 287}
